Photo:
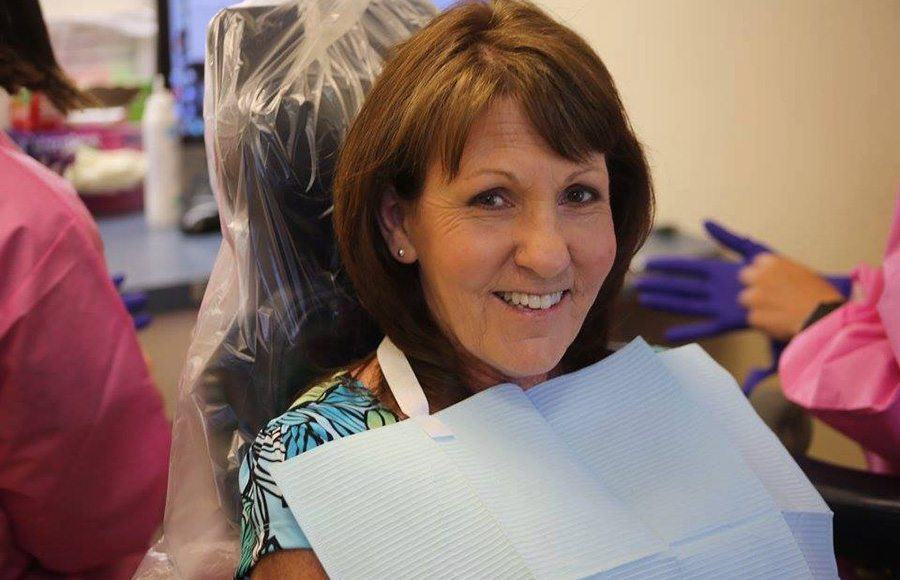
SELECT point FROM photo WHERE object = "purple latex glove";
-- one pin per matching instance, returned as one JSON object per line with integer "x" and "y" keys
{"x": 709, "y": 287}
{"x": 135, "y": 302}
{"x": 705, "y": 287}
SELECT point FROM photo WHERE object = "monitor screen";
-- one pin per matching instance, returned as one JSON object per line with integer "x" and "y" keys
{"x": 183, "y": 24}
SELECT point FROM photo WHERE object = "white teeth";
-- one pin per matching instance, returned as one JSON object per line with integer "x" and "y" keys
{"x": 532, "y": 301}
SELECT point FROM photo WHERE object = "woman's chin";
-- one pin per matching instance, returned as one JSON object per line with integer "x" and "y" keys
{"x": 527, "y": 368}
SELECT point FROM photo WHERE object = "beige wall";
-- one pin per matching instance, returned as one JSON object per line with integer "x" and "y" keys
{"x": 779, "y": 117}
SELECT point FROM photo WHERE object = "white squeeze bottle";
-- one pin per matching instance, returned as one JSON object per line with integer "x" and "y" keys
{"x": 162, "y": 148}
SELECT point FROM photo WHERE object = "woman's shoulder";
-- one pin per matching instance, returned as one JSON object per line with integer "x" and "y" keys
{"x": 334, "y": 408}
{"x": 339, "y": 406}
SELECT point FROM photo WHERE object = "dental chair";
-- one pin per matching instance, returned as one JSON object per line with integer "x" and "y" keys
{"x": 283, "y": 83}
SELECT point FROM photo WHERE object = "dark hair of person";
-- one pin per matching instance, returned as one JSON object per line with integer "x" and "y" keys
{"x": 421, "y": 109}
{"x": 27, "y": 60}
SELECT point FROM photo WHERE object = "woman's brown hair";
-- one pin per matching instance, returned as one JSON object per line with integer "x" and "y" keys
{"x": 420, "y": 110}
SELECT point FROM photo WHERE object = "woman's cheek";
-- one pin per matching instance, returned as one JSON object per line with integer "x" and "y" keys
{"x": 594, "y": 251}
{"x": 477, "y": 253}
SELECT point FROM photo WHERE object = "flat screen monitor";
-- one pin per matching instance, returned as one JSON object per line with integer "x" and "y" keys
{"x": 182, "y": 35}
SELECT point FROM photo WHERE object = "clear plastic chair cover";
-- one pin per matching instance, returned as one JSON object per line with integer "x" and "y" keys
{"x": 283, "y": 81}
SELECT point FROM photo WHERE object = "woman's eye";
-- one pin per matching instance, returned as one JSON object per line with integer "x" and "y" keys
{"x": 489, "y": 199}
{"x": 581, "y": 195}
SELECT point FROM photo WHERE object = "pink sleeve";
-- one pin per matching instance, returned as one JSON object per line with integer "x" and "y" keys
{"x": 84, "y": 442}
{"x": 844, "y": 369}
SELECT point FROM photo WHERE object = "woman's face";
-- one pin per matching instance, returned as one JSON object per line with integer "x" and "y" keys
{"x": 512, "y": 252}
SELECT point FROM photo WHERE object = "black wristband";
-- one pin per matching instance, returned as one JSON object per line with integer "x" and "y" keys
{"x": 821, "y": 311}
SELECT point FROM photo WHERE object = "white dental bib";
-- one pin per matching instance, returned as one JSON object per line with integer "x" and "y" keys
{"x": 649, "y": 465}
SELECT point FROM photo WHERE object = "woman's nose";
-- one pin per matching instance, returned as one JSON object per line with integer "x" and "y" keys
{"x": 542, "y": 247}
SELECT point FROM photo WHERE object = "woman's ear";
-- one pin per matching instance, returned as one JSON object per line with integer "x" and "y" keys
{"x": 392, "y": 221}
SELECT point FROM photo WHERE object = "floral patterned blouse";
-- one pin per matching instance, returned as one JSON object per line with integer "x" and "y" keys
{"x": 338, "y": 407}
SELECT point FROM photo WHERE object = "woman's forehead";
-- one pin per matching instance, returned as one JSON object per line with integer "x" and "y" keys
{"x": 503, "y": 125}
{"x": 503, "y": 135}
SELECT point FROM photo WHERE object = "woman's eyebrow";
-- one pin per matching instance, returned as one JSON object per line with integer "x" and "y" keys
{"x": 582, "y": 171}
{"x": 489, "y": 171}
{"x": 513, "y": 178}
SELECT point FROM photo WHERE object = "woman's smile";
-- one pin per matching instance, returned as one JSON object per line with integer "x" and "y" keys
{"x": 533, "y": 306}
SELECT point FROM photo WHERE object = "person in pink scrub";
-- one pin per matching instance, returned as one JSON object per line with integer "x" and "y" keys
{"x": 84, "y": 442}
{"x": 843, "y": 360}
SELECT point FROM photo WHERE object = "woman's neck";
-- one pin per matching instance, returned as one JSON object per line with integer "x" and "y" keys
{"x": 480, "y": 378}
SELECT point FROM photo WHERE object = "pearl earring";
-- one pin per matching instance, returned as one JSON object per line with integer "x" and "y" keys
{"x": 401, "y": 252}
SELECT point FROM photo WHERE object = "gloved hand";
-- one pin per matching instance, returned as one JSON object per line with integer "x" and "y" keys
{"x": 134, "y": 302}
{"x": 709, "y": 288}
{"x": 705, "y": 287}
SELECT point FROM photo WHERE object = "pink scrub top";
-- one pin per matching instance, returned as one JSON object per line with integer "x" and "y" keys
{"x": 84, "y": 442}
{"x": 845, "y": 368}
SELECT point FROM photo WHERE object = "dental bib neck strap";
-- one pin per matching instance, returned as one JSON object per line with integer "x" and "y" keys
{"x": 407, "y": 391}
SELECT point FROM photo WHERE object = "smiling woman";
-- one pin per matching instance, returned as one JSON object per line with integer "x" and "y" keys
{"x": 495, "y": 152}
{"x": 512, "y": 253}
{"x": 487, "y": 202}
